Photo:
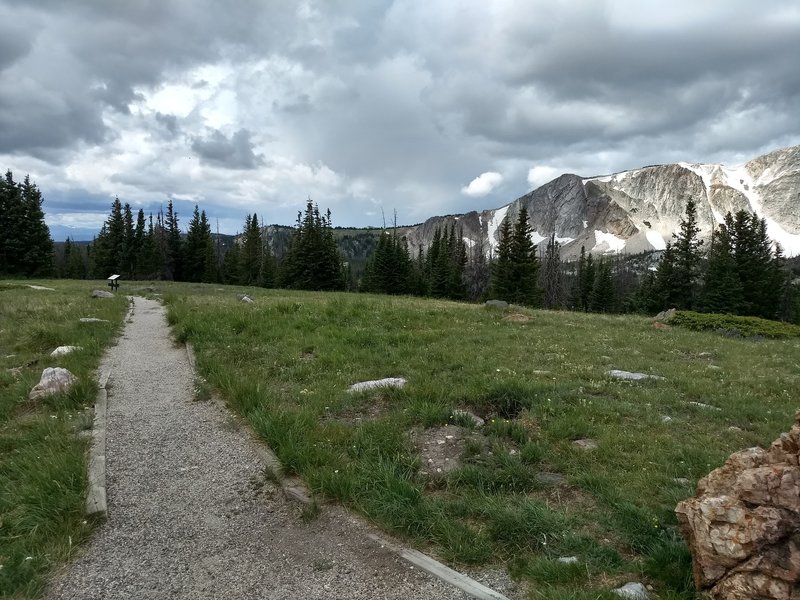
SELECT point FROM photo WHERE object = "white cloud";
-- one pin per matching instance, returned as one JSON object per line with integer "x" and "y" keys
{"x": 541, "y": 174}
{"x": 483, "y": 184}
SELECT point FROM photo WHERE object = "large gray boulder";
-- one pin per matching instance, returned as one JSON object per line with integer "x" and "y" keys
{"x": 101, "y": 294}
{"x": 53, "y": 381}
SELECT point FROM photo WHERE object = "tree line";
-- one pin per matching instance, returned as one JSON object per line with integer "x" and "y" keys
{"x": 740, "y": 272}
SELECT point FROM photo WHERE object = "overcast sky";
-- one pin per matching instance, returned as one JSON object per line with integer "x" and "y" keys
{"x": 427, "y": 107}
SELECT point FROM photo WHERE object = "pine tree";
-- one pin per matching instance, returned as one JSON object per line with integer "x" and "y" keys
{"x": 686, "y": 266}
{"x": 601, "y": 298}
{"x": 173, "y": 246}
{"x": 722, "y": 289}
{"x": 502, "y": 284}
{"x": 198, "y": 249}
{"x": 137, "y": 249}
{"x": 552, "y": 278}
{"x": 108, "y": 249}
{"x": 38, "y": 257}
{"x": 525, "y": 264}
{"x": 665, "y": 291}
{"x": 584, "y": 280}
{"x": 477, "y": 273}
{"x": 312, "y": 261}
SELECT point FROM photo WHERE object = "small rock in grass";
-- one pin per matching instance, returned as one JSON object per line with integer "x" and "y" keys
{"x": 665, "y": 315}
{"x": 550, "y": 478}
{"x": 585, "y": 444}
{"x": 628, "y": 376}
{"x": 476, "y": 420}
{"x": 666, "y": 419}
{"x": 704, "y": 406}
{"x": 363, "y": 386}
{"x": 499, "y": 304}
{"x": 53, "y": 381}
{"x": 568, "y": 560}
{"x": 41, "y": 287}
{"x": 703, "y": 355}
{"x": 715, "y": 367}
{"x": 62, "y": 350}
{"x": 92, "y": 320}
{"x": 735, "y": 429}
{"x": 680, "y": 480}
{"x": 245, "y": 298}
{"x": 101, "y": 294}
{"x": 632, "y": 590}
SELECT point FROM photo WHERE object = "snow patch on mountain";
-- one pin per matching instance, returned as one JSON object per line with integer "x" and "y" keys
{"x": 656, "y": 240}
{"x": 494, "y": 224}
{"x": 608, "y": 243}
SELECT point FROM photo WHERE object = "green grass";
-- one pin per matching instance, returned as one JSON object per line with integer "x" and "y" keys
{"x": 42, "y": 459}
{"x": 285, "y": 363}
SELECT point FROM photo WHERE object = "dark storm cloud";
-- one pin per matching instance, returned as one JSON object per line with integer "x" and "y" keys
{"x": 235, "y": 152}
{"x": 68, "y": 62}
{"x": 408, "y": 101}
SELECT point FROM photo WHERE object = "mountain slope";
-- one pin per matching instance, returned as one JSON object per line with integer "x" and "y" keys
{"x": 639, "y": 210}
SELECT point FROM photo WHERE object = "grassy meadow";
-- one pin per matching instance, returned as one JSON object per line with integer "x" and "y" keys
{"x": 42, "y": 459}
{"x": 524, "y": 494}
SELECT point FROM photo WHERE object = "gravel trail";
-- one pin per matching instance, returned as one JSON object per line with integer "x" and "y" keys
{"x": 190, "y": 514}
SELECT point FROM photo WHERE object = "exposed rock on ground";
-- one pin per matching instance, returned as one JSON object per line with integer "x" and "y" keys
{"x": 632, "y": 591}
{"x": 665, "y": 315}
{"x": 53, "y": 381}
{"x": 378, "y": 383}
{"x": 628, "y": 376}
{"x": 442, "y": 448}
{"x": 743, "y": 526}
{"x": 101, "y": 294}
{"x": 585, "y": 444}
{"x": 92, "y": 320}
{"x": 499, "y": 304}
{"x": 62, "y": 350}
{"x": 42, "y": 288}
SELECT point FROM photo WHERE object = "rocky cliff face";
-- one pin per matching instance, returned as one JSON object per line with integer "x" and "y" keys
{"x": 636, "y": 211}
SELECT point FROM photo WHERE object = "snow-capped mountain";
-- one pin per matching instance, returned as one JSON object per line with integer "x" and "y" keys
{"x": 636, "y": 211}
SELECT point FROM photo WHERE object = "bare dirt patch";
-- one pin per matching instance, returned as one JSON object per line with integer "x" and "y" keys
{"x": 517, "y": 318}
{"x": 441, "y": 449}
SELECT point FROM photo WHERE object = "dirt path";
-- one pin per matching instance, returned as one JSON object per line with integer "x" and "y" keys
{"x": 190, "y": 514}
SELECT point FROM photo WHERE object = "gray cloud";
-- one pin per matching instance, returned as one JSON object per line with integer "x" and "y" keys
{"x": 235, "y": 152}
{"x": 396, "y": 103}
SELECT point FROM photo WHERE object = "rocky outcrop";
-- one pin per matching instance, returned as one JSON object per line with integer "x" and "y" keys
{"x": 743, "y": 526}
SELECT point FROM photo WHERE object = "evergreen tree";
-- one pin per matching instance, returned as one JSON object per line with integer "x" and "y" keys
{"x": 665, "y": 292}
{"x": 686, "y": 265}
{"x": 601, "y": 298}
{"x": 37, "y": 258}
{"x": 477, "y": 273}
{"x": 525, "y": 264}
{"x": 108, "y": 249}
{"x": 388, "y": 270}
{"x": 722, "y": 289}
{"x": 198, "y": 249}
{"x": 584, "y": 280}
{"x": 26, "y": 248}
{"x": 231, "y": 268}
{"x": 552, "y": 277}
{"x": 312, "y": 260}
{"x": 130, "y": 252}
{"x": 173, "y": 262}
{"x": 138, "y": 244}
{"x": 502, "y": 284}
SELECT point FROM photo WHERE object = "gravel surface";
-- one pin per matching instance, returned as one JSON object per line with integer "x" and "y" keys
{"x": 190, "y": 514}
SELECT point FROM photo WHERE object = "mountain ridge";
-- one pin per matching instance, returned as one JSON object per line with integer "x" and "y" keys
{"x": 638, "y": 210}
